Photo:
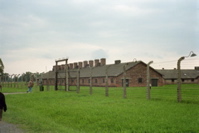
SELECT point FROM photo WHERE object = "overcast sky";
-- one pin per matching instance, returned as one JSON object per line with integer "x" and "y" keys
{"x": 34, "y": 33}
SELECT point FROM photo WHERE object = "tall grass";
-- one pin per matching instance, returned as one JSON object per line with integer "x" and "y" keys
{"x": 69, "y": 112}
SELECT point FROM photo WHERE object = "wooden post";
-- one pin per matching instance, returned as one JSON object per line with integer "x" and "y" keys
{"x": 56, "y": 75}
{"x": 106, "y": 89}
{"x": 18, "y": 80}
{"x": 124, "y": 81}
{"x": 179, "y": 97}
{"x": 66, "y": 75}
{"x": 12, "y": 80}
{"x": 1, "y": 70}
{"x": 78, "y": 77}
{"x": 47, "y": 81}
{"x": 0, "y": 81}
{"x": 91, "y": 90}
{"x": 148, "y": 81}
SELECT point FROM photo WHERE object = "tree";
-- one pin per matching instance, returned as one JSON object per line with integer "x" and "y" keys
{"x": 1, "y": 67}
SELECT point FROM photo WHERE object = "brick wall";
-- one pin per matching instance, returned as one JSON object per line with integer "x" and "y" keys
{"x": 137, "y": 76}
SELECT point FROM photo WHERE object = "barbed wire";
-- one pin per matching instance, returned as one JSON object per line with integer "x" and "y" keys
{"x": 188, "y": 63}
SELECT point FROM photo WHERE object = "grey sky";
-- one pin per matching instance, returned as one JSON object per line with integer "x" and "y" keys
{"x": 34, "y": 33}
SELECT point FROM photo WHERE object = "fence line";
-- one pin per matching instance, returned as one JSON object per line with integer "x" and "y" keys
{"x": 189, "y": 93}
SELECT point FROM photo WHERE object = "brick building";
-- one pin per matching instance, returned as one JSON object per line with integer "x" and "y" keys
{"x": 187, "y": 75}
{"x": 97, "y": 71}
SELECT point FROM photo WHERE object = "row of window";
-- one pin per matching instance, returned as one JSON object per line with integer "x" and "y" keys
{"x": 95, "y": 80}
{"x": 140, "y": 80}
{"x": 183, "y": 80}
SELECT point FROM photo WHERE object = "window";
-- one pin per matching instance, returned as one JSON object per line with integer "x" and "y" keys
{"x": 192, "y": 80}
{"x": 95, "y": 80}
{"x": 172, "y": 80}
{"x": 112, "y": 81}
{"x": 139, "y": 80}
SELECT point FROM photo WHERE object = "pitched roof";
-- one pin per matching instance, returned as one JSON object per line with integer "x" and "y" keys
{"x": 112, "y": 70}
{"x": 185, "y": 73}
{"x": 99, "y": 71}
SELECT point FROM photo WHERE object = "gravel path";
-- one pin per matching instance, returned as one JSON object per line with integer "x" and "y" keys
{"x": 7, "y": 127}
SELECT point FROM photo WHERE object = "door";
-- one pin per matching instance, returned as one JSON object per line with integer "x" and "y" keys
{"x": 154, "y": 82}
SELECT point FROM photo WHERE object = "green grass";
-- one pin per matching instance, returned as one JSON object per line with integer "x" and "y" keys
{"x": 69, "y": 112}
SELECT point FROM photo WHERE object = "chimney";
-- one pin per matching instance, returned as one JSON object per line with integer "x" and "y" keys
{"x": 103, "y": 61}
{"x": 196, "y": 67}
{"x": 91, "y": 63}
{"x": 80, "y": 64}
{"x": 71, "y": 65}
{"x": 97, "y": 62}
{"x": 54, "y": 68}
{"x": 59, "y": 67}
{"x": 85, "y": 63}
{"x": 62, "y": 67}
{"x": 117, "y": 61}
{"x": 75, "y": 65}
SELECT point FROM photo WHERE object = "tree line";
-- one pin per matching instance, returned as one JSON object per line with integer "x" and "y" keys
{"x": 25, "y": 77}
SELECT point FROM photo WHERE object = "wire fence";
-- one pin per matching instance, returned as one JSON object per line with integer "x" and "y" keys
{"x": 187, "y": 95}
{"x": 188, "y": 63}
{"x": 189, "y": 92}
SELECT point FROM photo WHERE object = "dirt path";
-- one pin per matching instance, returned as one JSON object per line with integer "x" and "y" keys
{"x": 7, "y": 127}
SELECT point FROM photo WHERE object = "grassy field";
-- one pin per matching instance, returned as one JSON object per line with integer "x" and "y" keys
{"x": 69, "y": 112}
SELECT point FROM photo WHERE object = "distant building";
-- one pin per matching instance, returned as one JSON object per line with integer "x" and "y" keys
{"x": 135, "y": 74}
{"x": 187, "y": 75}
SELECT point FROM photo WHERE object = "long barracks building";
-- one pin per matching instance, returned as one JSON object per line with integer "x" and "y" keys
{"x": 97, "y": 71}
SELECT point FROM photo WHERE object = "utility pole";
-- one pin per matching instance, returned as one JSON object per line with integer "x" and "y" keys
{"x": 56, "y": 75}
{"x": 124, "y": 81}
{"x": 106, "y": 92}
{"x": 1, "y": 69}
{"x": 91, "y": 73}
{"x": 179, "y": 96}
{"x": 66, "y": 75}
{"x": 148, "y": 81}
{"x": 78, "y": 77}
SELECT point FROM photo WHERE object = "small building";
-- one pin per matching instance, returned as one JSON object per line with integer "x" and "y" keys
{"x": 96, "y": 71}
{"x": 187, "y": 75}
